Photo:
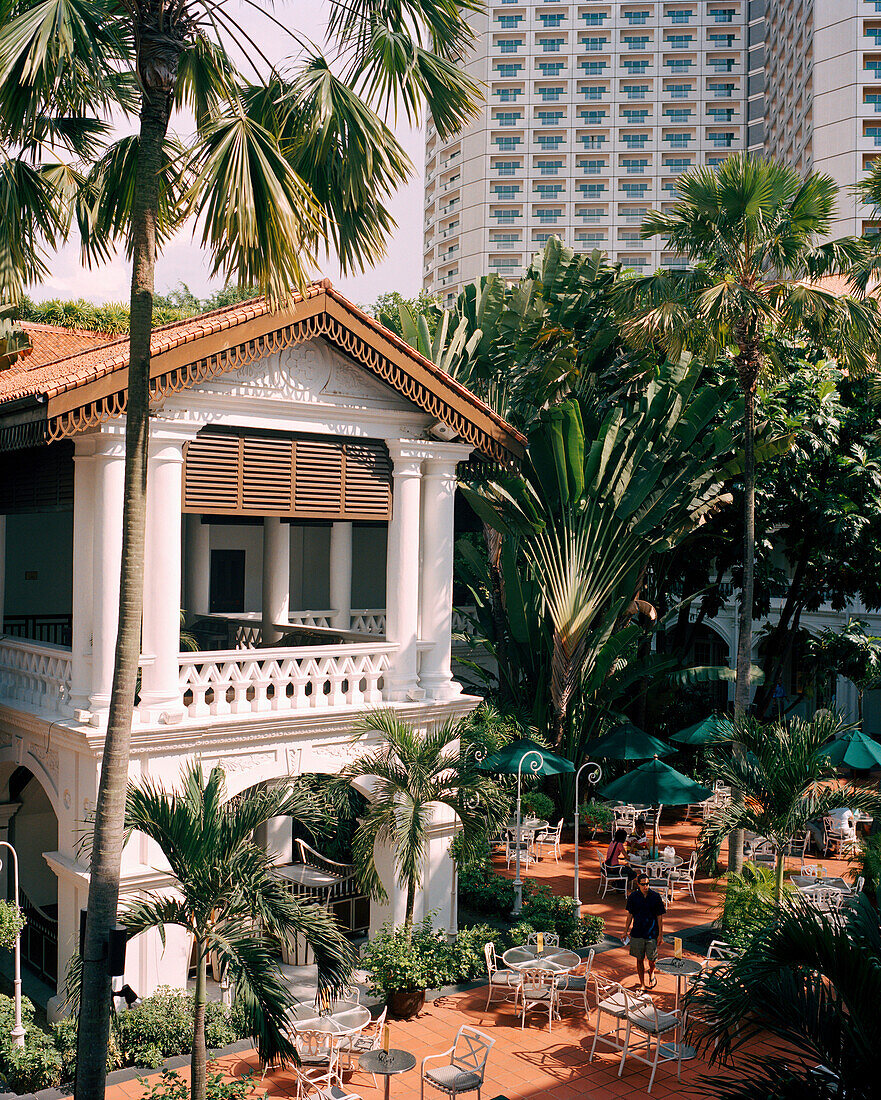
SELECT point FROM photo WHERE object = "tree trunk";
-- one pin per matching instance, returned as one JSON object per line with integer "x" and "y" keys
{"x": 411, "y": 905}
{"x": 780, "y": 868}
{"x": 94, "y": 1018}
{"x": 199, "y": 1057}
{"x": 748, "y": 371}
{"x": 780, "y": 642}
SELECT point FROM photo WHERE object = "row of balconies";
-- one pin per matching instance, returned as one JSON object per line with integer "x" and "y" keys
{"x": 644, "y": 91}
{"x": 629, "y": 42}
{"x": 645, "y": 16}
{"x": 628, "y": 116}
{"x": 606, "y": 67}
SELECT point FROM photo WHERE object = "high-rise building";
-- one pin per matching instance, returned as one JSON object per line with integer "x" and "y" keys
{"x": 594, "y": 109}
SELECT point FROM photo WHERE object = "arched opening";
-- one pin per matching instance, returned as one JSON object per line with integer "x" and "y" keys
{"x": 32, "y": 830}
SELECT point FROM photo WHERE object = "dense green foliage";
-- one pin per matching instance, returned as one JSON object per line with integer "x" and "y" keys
{"x": 748, "y": 902}
{"x": 171, "y": 1086}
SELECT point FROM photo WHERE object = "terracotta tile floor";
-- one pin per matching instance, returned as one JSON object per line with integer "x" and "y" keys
{"x": 534, "y": 1063}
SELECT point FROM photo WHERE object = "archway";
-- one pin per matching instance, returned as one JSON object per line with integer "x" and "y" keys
{"x": 32, "y": 829}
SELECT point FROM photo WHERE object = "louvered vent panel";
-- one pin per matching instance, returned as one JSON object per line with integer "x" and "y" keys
{"x": 38, "y": 479}
{"x": 267, "y": 475}
{"x": 368, "y": 481}
{"x": 212, "y": 473}
{"x": 319, "y": 478}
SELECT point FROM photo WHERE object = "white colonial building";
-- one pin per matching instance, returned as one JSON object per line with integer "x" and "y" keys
{"x": 302, "y": 470}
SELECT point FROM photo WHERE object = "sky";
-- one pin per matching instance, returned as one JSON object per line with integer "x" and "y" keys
{"x": 182, "y": 259}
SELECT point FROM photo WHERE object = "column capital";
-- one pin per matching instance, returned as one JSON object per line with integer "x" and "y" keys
{"x": 441, "y": 459}
{"x": 8, "y": 810}
{"x": 406, "y": 456}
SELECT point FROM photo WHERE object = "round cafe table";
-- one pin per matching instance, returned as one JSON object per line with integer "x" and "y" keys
{"x": 553, "y": 959}
{"x": 344, "y": 1018}
{"x": 679, "y": 969}
{"x": 387, "y": 1063}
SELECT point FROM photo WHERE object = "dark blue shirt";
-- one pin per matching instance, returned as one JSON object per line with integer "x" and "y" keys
{"x": 645, "y": 912}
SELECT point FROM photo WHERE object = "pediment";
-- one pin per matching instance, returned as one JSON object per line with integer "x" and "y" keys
{"x": 311, "y": 373}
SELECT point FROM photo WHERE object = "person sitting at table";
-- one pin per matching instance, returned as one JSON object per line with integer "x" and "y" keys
{"x": 616, "y": 854}
{"x": 639, "y": 841}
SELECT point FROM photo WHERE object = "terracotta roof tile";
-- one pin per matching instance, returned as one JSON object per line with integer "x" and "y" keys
{"x": 52, "y": 342}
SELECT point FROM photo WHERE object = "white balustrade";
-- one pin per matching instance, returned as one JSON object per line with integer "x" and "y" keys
{"x": 36, "y": 674}
{"x": 283, "y": 679}
{"x": 321, "y": 619}
{"x": 368, "y": 621}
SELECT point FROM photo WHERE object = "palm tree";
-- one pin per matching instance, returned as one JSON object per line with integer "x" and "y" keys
{"x": 224, "y": 892}
{"x": 750, "y": 229}
{"x": 814, "y": 984}
{"x": 780, "y": 781}
{"x": 276, "y": 169}
{"x": 410, "y": 771}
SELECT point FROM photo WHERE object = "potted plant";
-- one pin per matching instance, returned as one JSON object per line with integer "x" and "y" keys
{"x": 402, "y": 963}
{"x": 538, "y": 804}
{"x": 12, "y": 922}
{"x": 596, "y": 815}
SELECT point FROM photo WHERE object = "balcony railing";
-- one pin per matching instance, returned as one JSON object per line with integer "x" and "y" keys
{"x": 312, "y": 677}
{"x": 34, "y": 674}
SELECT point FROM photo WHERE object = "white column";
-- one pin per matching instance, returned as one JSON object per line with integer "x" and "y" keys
{"x": 276, "y": 576}
{"x": 2, "y": 569}
{"x": 198, "y": 565}
{"x": 341, "y": 574}
{"x": 436, "y": 618}
{"x": 160, "y": 637}
{"x": 109, "y": 477}
{"x": 83, "y": 572}
{"x": 402, "y": 570}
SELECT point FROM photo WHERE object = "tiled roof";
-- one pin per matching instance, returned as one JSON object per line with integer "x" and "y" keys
{"x": 52, "y": 342}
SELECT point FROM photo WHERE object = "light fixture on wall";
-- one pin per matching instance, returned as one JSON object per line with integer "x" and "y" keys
{"x": 441, "y": 430}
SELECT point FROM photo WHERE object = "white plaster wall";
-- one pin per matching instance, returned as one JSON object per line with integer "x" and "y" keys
{"x": 41, "y": 544}
{"x": 236, "y": 536}
{"x": 34, "y": 831}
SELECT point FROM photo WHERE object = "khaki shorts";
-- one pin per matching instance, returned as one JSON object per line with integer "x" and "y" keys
{"x": 643, "y": 949}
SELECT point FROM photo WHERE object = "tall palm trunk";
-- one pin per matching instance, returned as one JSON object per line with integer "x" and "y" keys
{"x": 199, "y": 1057}
{"x": 778, "y": 876}
{"x": 157, "y": 82}
{"x": 411, "y": 905}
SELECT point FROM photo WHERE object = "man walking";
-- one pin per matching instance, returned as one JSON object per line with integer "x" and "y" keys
{"x": 645, "y": 916}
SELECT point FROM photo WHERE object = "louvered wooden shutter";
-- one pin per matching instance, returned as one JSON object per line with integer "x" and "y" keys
{"x": 275, "y": 475}
{"x": 38, "y": 479}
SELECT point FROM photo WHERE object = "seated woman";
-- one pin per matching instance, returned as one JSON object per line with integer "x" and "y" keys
{"x": 615, "y": 854}
{"x": 639, "y": 841}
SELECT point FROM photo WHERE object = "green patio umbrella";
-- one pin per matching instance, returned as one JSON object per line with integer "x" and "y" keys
{"x": 705, "y": 732}
{"x": 628, "y": 742}
{"x": 658, "y": 784}
{"x": 853, "y": 749}
{"x": 524, "y": 755}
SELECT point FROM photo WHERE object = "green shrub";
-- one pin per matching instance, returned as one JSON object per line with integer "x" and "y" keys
{"x": 748, "y": 903}
{"x": 12, "y": 922}
{"x": 35, "y": 1066}
{"x": 171, "y": 1086}
{"x": 596, "y": 815}
{"x": 538, "y": 804}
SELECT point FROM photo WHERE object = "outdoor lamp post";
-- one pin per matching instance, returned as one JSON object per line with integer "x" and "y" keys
{"x": 17, "y": 1032}
{"x": 594, "y": 777}
{"x": 534, "y": 764}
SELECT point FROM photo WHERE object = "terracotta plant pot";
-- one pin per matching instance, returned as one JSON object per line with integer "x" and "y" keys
{"x": 404, "y": 1003}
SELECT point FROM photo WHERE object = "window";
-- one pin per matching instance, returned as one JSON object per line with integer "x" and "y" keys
{"x": 548, "y": 190}
{"x": 549, "y": 141}
{"x": 677, "y": 164}
{"x": 593, "y": 68}
{"x": 550, "y": 68}
{"x": 635, "y": 115}
{"x": 508, "y": 95}
{"x": 508, "y": 70}
{"x": 505, "y": 191}
{"x": 679, "y": 91}
{"x": 550, "y": 95}
{"x": 508, "y": 118}
{"x": 714, "y": 162}
{"x": 874, "y": 33}
{"x": 591, "y": 238}
{"x": 504, "y": 238}
{"x": 597, "y": 18}
{"x": 509, "y": 45}
{"x": 635, "y": 91}
{"x": 678, "y": 114}
{"x": 722, "y": 15}
{"x": 550, "y": 118}
{"x": 678, "y": 141}
{"x": 592, "y": 141}
{"x": 592, "y": 118}
{"x": 723, "y": 140}
{"x": 873, "y": 97}
{"x": 507, "y": 141}
{"x": 593, "y": 167}
{"x": 721, "y": 91}
{"x": 681, "y": 16}
{"x": 504, "y": 217}
{"x": 541, "y": 238}
{"x": 593, "y": 93}
{"x": 635, "y": 141}
{"x": 722, "y": 64}
{"x": 722, "y": 114}
{"x": 634, "y": 67}
{"x": 635, "y": 166}
{"x": 633, "y": 214}
{"x": 551, "y": 45}
{"x": 549, "y": 167}
{"x": 548, "y": 217}
{"x": 633, "y": 190}
{"x": 592, "y": 214}
{"x": 678, "y": 64}
{"x": 591, "y": 189}
{"x": 637, "y": 41}
{"x": 507, "y": 167}
{"x": 679, "y": 41}
{"x": 508, "y": 22}
{"x": 551, "y": 19}
{"x": 634, "y": 18}
{"x": 873, "y": 132}
{"x": 593, "y": 44}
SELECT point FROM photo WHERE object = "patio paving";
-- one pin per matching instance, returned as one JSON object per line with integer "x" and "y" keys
{"x": 532, "y": 1063}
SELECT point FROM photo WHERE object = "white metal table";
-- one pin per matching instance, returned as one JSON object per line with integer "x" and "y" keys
{"x": 679, "y": 969}
{"x": 555, "y": 960}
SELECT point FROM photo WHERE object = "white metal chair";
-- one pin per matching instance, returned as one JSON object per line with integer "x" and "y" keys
{"x": 572, "y": 987}
{"x": 823, "y": 898}
{"x": 550, "y": 837}
{"x": 361, "y": 1042}
{"x": 525, "y": 848}
{"x": 659, "y": 877}
{"x": 319, "y": 1053}
{"x": 810, "y": 870}
{"x": 614, "y": 1001}
{"x": 797, "y": 848}
{"x": 625, "y": 818}
{"x": 307, "y": 1089}
{"x": 763, "y": 852}
{"x": 685, "y": 876}
{"x": 616, "y": 877}
{"x": 836, "y": 840}
{"x": 466, "y": 1067}
{"x": 652, "y": 1024}
{"x": 499, "y": 978}
{"x": 550, "y": 939}
{"x": 538, "y": 989}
